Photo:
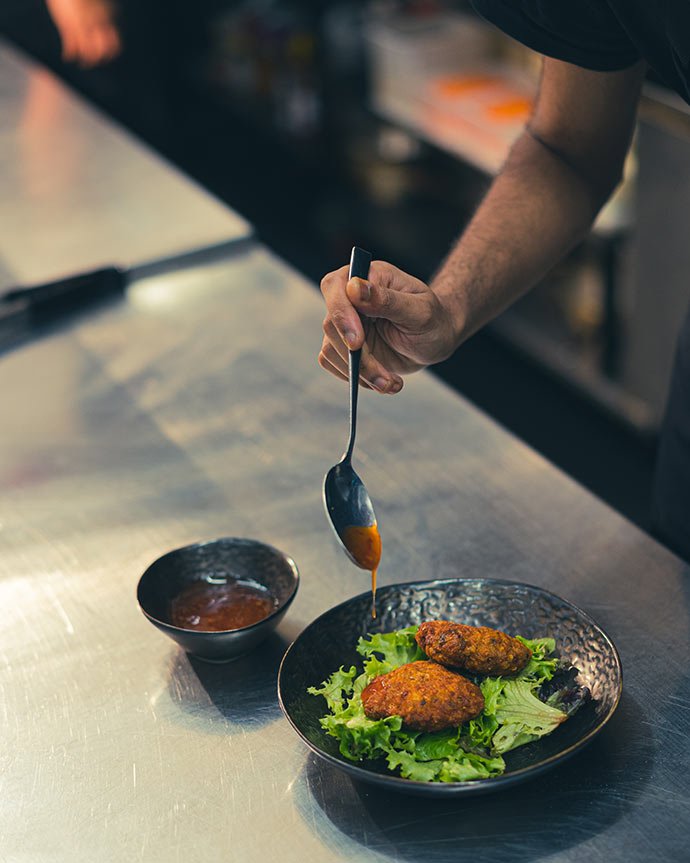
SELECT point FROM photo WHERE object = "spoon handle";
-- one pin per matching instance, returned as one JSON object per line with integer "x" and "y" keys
{"x": 359, "y": 268}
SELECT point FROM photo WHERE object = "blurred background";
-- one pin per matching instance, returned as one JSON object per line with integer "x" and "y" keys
{"x": 381, "y": 124}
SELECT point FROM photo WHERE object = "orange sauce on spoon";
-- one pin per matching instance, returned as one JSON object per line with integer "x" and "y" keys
{"x": 364, "y": 544}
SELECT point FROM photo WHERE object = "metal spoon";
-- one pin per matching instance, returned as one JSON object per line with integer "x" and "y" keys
{"x": 345, "y": 498}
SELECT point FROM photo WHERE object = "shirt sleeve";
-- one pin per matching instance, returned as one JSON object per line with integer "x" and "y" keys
{"x": 585, "y": 33}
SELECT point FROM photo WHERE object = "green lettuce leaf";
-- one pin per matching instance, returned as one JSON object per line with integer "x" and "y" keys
{"x": 542, "y": 666}
{"x": 439, "y": 744}
{"x": 480, "y": 732}
{"x": 522, "y": 717}
{"x": 338, "y": 686}
{"x": 459, "y": 768}
{"x": 411, "y": 768}
{"x": 392, "y": 649}
{"x": 471, "y": 766}
{"x": 375, "y": 667}
{"x": 361, "y": 738}
{"x": 492, "y": 689}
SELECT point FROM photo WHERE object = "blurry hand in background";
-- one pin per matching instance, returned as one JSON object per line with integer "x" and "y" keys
{"x": 88, "y": 30}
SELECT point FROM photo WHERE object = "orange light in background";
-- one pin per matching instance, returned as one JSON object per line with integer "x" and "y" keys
{"x": 459, "y": 85}
{"x": 512, "y": 110}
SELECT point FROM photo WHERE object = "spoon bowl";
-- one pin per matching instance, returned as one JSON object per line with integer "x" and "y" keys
{"x": 347, "y": 504}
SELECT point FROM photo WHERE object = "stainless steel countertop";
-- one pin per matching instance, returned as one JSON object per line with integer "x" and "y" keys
{"x": 78, "y": 192}
{"x": 194, "y": 409}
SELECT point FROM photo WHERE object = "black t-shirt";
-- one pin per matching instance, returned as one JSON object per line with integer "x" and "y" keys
{"x": 602, "y": 34}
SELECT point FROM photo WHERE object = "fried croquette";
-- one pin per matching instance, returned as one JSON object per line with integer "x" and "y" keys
{"x": 426, "y": 695}
{"x": 478, "y": 649}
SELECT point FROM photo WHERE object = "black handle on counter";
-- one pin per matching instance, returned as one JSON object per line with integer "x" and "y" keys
{"x": 46, "y": 303}
{"x": 26, "y": 312}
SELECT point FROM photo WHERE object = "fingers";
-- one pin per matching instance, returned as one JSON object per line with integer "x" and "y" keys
{"x": 331, "y": 361}
{"x": 389, "y": 294}
{"x": 410, "y": 310}
{"x": 372, "y": 374}
{"x": 328, "y": 366}
{"x": 98, "y": 44}
{"x": 70, "y": 45}
{"x": 341, "y": 313}
{"x": 90, "y": 47}
{"x": 88, "y": 42}
{"x": 112, "y": 44}
{"x": 338, "y": 356}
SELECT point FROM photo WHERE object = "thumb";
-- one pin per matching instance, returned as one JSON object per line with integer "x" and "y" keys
{"x": 409, "y": 311}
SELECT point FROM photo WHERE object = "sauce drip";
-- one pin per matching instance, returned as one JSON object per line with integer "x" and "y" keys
{"x": 211, "y": 607}
{"x": 364, "y": 544}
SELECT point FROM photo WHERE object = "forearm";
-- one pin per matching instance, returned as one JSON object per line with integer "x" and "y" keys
{"x": 556, "y": 178}
{"x": 536, "y": 210}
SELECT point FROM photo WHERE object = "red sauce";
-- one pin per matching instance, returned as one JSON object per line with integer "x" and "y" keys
{"x": 209, "y": 607}
{"x": 364, "y": 544}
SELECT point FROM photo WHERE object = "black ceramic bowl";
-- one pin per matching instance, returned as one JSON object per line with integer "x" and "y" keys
{"x": 330, "y": 641}
{"x": 230, "y": 558}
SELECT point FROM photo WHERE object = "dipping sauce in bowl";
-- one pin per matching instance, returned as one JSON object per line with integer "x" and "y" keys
{"x": 218, "y": 599}
{"x": 218, "y": 607}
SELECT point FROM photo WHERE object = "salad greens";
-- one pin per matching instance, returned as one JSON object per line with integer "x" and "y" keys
{"x": 513, "y": 714}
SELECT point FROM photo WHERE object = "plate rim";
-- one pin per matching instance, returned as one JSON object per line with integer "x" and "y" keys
{"x": 472, "y": 785}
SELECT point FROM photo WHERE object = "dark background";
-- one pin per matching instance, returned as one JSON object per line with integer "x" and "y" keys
{"x": 266, "y": 105}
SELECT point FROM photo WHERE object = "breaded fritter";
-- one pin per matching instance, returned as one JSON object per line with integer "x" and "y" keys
{"x": 426, "y": 695}
{"x": 479, "y": 649}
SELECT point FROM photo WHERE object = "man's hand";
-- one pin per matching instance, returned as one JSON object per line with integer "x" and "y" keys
{"x": 87, "y": 30}
{"x": 404, "y": 326}
{"x": 557, "y": 176}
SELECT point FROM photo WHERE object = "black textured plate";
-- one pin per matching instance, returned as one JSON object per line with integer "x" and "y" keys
{"x": 522, "y": 609}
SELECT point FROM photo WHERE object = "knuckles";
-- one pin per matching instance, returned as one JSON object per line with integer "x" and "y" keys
{"x": 335, "y": 322}
{"x": 380, "y": 271}
{"x": 428, "y": 313}
{"x": 330, "y": 327}
{"x": 326, "y": 282}
{"x": 330, "y": 280}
